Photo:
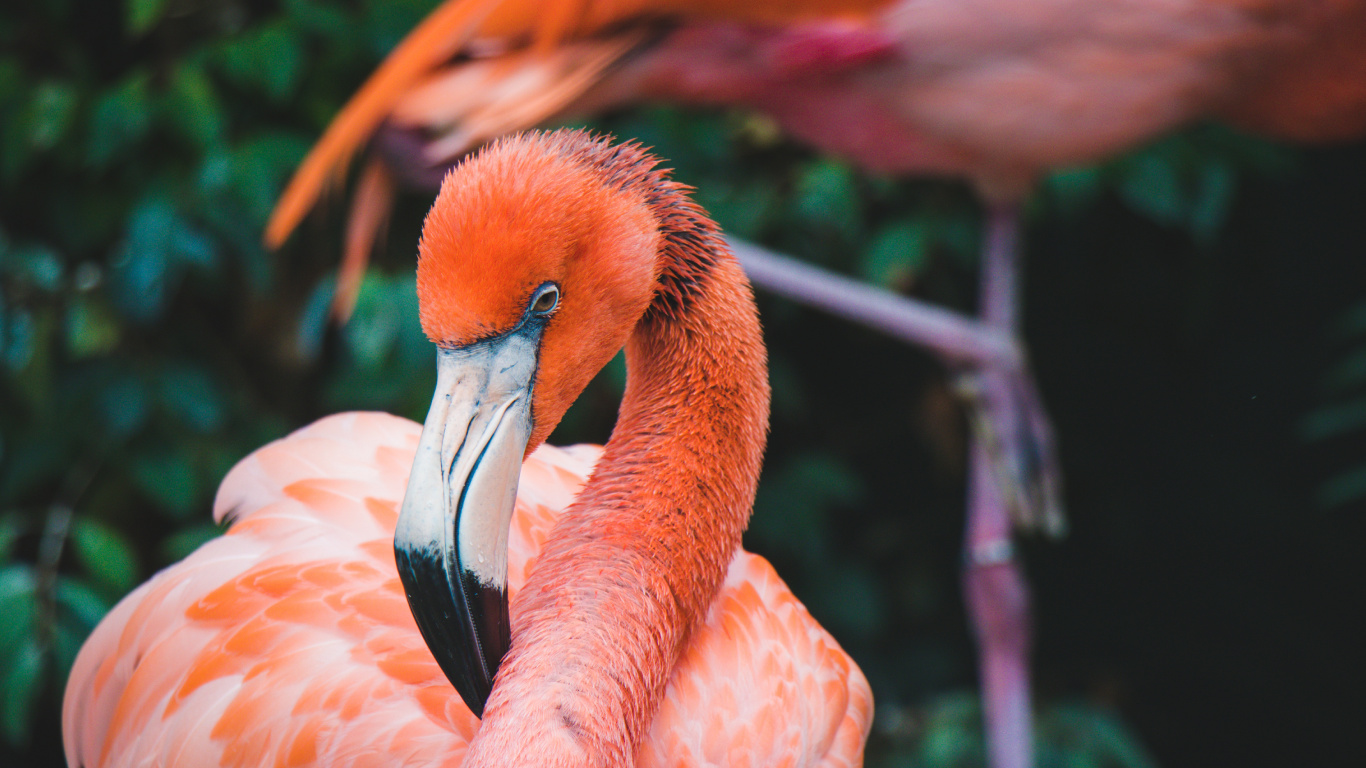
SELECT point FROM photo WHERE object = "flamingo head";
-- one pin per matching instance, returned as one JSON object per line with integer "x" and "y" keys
{"x": 535, "y": 264}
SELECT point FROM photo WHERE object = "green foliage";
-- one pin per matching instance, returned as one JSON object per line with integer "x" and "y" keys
{"x": 106, "y": 555}
{"x": 44, "y": 617}
{"x": 1340, "y": 415}
{"x": 948, "y": 734}
{"x": 142, "y": 325}
{"x": 1186, "y": 180}
{"x": 144, "y": 14}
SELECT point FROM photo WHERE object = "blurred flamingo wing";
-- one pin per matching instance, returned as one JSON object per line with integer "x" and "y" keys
{"x": 288, "y": 640}
{"x": 460, "y": 28}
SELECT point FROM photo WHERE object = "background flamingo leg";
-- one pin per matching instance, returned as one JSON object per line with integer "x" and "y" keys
{"x": 1014, "y": 472}
{"x": 957, "y": 338}
{"x": 1000, "y": 477}
{"x": 1014, "y": 469}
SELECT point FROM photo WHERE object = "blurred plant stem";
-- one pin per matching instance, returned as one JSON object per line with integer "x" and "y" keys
{"x": 56, "y": 530}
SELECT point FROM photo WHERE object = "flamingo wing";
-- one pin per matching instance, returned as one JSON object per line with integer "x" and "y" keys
{"x": 288, "y": 640}
{"x": 463, "y": 29}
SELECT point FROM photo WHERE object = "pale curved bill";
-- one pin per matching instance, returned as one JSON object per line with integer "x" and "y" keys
{"x": 451, "y": 541}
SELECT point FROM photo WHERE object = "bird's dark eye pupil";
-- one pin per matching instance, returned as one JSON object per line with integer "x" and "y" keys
{"x": 546, "y": 301}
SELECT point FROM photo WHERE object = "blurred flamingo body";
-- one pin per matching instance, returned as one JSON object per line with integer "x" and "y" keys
{"x": 996, "y": 90}
{"x": 642, "y": 634}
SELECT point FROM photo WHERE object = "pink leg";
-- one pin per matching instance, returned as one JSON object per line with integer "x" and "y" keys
{"x": 994, "y": 587}
{"x": 958, "y": 339}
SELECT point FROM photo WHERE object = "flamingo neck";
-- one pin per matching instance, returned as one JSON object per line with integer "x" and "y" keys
{"x": 633, "y": 565}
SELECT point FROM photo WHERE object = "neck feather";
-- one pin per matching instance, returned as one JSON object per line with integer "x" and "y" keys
{"x": 633, "y": 565}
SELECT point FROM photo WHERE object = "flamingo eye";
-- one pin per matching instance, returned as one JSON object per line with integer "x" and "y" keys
{"x": 547, "y": 301}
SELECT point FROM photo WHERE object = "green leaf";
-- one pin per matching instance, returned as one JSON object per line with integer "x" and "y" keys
{"x": 268, "y": 59}
{"x": 83, "y": 603}
{"x": 1074, "y": 188}
{"x": 79, "y": 609}
{"x": 961, "y": 233}
{"x": 20, "y": 686}
{"x": 120, "y": 119}
{"x": 849, "y": 600}
{"x": 896, "y": 254}
{"x": 180, "y": 544}
{"x": 12, "y": 526}
{"x": 50, "y": 114}
{"x": 313, "y": 320}
{"x": 139, "y": 270}
{"x": 150, "y": 261}
{"x": 1343, "y": 488}
{"x": 189, "y": 393}
{"x": 953, "y": 733}
{"x": 66, "y": 645}
{"x": 1347, "y": 373}
{"x": 320, "y": 19}
{"x": 90, "y": 329}
{"x": 192, "y": 106}
{"x": 259, "y": 166}
{"x": 1213, "y": 200}
{"x": 792, "y": 504}
{"x": 17, "y": 607}
{"x": 743, "y": 209}
{"x": 123, "y": 403}
{"x": 169, "y": 480}
{"x": 17, "y": 331}
{"x": 827, "y": 192}
{"x": 375, "y": 324}
{"x": 1353, "y": 322}
{"x": 1085, "y": 735}
{"x": 36, "y": 265}
{"x": 142, "y": 15}
{"x": 1152, "y": 186}
{"x": 1330, "y": 421}
{"x": 388, "y": 22}
{"x": 105, "y": 554}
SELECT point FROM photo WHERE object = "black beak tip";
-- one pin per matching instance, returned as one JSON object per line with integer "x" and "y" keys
{"x": 465, "y": 625}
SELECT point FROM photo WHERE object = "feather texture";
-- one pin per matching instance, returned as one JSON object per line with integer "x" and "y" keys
{"x": 288, "y": 641}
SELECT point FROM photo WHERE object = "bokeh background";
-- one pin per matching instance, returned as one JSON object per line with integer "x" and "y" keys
{"x": 1196, "y": 311}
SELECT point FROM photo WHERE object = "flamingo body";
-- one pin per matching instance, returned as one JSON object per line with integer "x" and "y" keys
{"x": 999, "y": 91}
{"x": 288, "y": 642}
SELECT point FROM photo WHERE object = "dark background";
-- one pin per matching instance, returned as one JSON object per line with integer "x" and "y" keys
{"x": 1196, "y": 312}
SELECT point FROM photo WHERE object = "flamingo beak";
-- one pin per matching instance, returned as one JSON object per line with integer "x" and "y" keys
{"x": 451, "y": 541}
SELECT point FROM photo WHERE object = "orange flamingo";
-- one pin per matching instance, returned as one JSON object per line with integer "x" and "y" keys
{"x": 640, "y": 632}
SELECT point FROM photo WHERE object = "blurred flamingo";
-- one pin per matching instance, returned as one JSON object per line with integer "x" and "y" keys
{"x": 995, "y": 90}
{"x": 639, "y": 632}
{"x": 998, "y": 91}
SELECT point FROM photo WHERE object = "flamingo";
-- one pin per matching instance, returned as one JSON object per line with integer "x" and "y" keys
{"x": 997, "y": 91}
{"x": 605, "y": 586}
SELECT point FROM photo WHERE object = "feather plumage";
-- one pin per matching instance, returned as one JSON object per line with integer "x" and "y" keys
{"x": 287, "y": 641}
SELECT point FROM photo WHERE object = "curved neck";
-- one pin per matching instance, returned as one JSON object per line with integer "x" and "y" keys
{"x": 632, "y": 566}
